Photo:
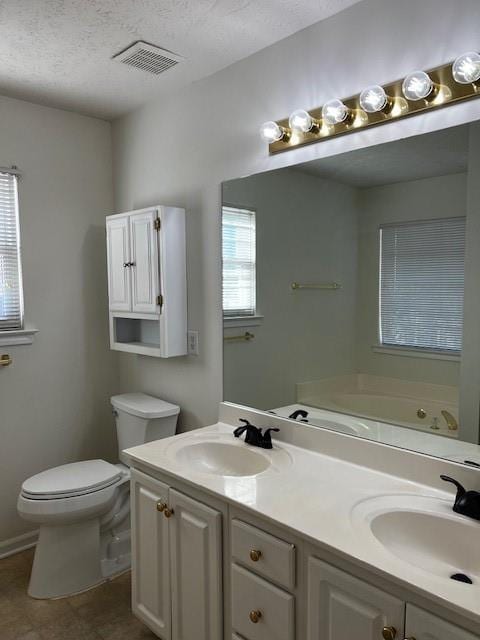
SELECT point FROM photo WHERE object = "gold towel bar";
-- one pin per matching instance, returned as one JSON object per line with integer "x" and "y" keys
{"x": 247, "y": 336}
{"x": 320, "y": 285}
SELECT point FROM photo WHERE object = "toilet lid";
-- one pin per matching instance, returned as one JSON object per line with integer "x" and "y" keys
{"x": 74, "y": 479}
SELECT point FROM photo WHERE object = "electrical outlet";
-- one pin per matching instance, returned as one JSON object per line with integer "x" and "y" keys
{"x": 192, "y": 338}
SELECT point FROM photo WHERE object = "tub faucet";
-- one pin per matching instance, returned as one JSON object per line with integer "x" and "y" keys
{"x": 299, "y": 413}
{"x": 452, "y": 424}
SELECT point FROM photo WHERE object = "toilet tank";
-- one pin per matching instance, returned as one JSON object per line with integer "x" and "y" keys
{"x": 142, "y": 418}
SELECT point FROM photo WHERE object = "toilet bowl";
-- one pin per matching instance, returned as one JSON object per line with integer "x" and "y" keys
{"x": 83, "y": 508}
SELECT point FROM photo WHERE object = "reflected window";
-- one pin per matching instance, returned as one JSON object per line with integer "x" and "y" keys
{"x": 238, "y": 251}
{"x": 422, "y": 266}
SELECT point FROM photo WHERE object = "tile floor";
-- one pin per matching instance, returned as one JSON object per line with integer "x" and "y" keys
{"x": 102, "y": 613}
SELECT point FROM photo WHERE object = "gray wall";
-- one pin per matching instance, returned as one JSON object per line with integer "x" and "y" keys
{"x": 439, "y": 197}
{"x": 179, "y": 149}
{"x": 306, "y": 232}
{"x": 54, "y": 397}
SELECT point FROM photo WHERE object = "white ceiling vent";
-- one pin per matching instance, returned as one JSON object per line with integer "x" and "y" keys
{"x": 148, "y": 57}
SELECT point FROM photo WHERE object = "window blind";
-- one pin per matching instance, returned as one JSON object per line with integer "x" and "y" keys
{"x": 238, "y": 248}
{"x": 11, "y": 297}
{"x": 422, "y": 267}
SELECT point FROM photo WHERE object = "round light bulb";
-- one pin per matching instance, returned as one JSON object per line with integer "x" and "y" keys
{"x": 334, "y": 111}
{"x": 271, "y": 132}
{"x": 466, "y": 68}
{"x": 301, "y": 121}
{"x": 373, "y": 99}
{"x": 417, "y": 85}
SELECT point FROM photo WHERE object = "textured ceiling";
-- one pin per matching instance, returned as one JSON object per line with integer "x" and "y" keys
{"x": 58, "y": 52}
{"x": 433, "y": 154}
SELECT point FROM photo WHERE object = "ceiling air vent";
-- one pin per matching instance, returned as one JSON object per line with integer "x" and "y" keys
{"x": 148, "y": 57}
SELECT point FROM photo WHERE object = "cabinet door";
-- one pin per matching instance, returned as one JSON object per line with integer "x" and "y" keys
{"x": 341, "y": 606}
{"x": 151, "y": 597}
{"x": 421, "y": 625}
{"x": 145, "y": 268}
{"x": 118, "y": 255}
{"x": 196, "y": 563}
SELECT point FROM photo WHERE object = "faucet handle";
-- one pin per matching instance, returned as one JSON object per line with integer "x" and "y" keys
{"x": 267, "y": 438}
{"x": 460, "y": 489}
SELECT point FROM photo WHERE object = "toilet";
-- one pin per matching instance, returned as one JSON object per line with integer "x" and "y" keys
{"x": 83, "y": 508}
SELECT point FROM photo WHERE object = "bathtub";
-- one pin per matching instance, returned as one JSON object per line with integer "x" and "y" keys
{"x": 395, "y": 435}
{"x": 401, "y": 402}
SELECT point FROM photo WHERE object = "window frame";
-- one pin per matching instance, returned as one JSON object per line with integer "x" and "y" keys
{"x": 407, "y": 349}
{"x": 237, "y": 318}
{"x": 22, "y": 334}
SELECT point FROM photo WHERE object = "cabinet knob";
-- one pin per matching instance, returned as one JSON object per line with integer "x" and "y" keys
{"x": 255, "y": 555}
{"x": 389, "y": 633}
{"x": 161, "y": 506}
{"x": 255, "y": 616}
{"x": 126, "y": 264}
{"x": 168, "y": 513}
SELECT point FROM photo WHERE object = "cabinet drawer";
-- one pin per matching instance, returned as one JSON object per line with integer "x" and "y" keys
{"x": 275, "y": 607}
{"x": 263, "y": 553}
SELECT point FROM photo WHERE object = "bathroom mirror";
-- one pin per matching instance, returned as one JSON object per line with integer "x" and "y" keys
{"x": 350, "y": 284}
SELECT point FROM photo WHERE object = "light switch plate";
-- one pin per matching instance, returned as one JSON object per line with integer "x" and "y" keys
{"x": 192, "y": 338}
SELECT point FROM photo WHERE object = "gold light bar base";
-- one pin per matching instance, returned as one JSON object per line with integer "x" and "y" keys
{"x": 446, "y": 92}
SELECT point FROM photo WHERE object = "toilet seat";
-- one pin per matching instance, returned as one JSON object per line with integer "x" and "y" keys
{"x": 71, "y": 480}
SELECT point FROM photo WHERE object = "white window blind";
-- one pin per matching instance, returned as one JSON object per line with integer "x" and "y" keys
{"x": 238, "y": 248}
{"x": 422, "y": 267}
{"x": 11, "y": 296}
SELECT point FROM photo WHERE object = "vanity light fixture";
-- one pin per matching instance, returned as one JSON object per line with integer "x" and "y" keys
{"x": 302, "y": 122}
{"x": 335, "y": 112}
{"x": 466, "y": 68}
{"x": 418, "y": 92}
{"x": 374, "y": 99}
{"x": 272, "y": 132}
{"x": 418, "y": 86}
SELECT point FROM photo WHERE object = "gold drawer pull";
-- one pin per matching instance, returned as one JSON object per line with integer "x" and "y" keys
{"x": 255, "y": 555}
{"x": 255, "y": 616}
{"x": 168, "y": 513}
{"x": 389, "y": 633}
{"x": 161, "y": 506}
{"x": 5, "y": 360}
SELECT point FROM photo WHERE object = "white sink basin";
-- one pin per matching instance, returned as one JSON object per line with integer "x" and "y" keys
{"x": 423, "y": 532}
{"x": 224, "y": 456}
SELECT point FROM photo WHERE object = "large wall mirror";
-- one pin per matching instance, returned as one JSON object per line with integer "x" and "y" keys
{"x": 346, "y": 283}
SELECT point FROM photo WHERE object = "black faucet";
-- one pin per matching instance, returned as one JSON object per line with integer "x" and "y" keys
{"x": 299, "y": 412}
{"x": 467, "y": 503}
{"x": 254, "y": 435}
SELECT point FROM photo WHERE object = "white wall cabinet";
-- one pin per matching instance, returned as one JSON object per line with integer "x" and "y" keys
{"x": 147, "y": 288}
{"x": 176, "y": 562}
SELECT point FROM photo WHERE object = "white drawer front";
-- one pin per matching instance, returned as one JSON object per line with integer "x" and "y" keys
{"x": 263, "y": 553}
{"x": 276, "y": 608}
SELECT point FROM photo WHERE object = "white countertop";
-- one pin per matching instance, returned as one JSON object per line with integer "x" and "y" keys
{"x": 313, "y": 495}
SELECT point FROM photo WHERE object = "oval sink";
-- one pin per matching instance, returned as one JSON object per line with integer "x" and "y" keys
{"x": 423, "y": 532}
{"x": 222, "y": 458}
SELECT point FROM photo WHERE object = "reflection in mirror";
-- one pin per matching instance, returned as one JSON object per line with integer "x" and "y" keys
{"x": 344, "y": 289}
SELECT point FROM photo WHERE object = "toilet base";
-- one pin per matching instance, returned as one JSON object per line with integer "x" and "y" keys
{"x": 76, "y": 557}
{"x": 66, "y": 560}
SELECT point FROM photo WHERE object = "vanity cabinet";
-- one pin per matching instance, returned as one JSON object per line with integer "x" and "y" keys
{"x": 192, "y": 580}
{"x": 421, "y": 625}
{"x": 146, "y": 266}
{"x": 176, "y": 562}
{"x": 341, "y": 606}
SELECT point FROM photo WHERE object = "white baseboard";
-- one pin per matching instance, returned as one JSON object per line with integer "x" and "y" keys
{"x": 20, "y": 543}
